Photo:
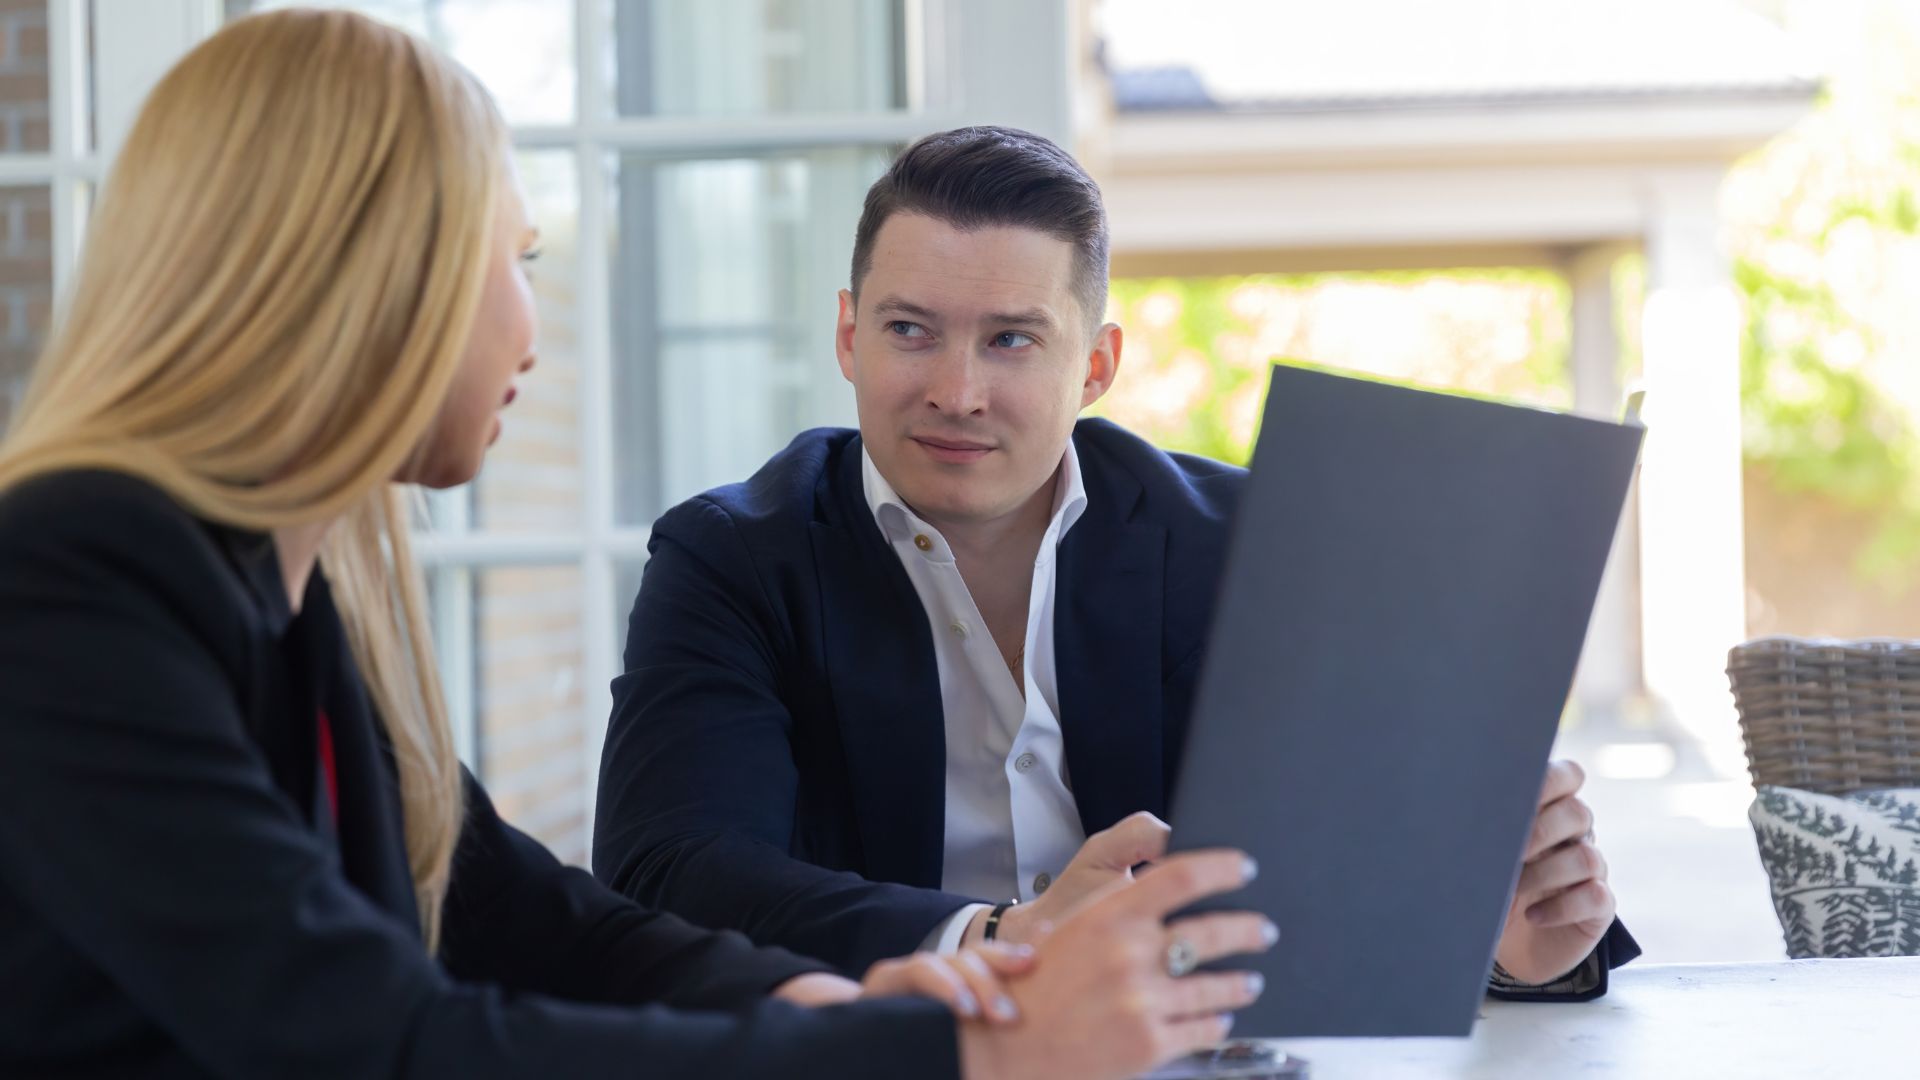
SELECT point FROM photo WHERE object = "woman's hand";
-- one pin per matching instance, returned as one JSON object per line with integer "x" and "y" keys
{"x": 972, "y": 983}
{"x": 817, "y": 989}
{"x": 1105, "y": 998}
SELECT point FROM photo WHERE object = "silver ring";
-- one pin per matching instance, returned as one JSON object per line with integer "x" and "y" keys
{"x": 1181, "y": 958}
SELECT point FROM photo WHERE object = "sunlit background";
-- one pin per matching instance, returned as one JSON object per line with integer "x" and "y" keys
{"x": 1543, "y": 201}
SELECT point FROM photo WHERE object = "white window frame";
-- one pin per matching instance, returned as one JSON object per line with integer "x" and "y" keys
{"x": 134, "y": 41}
{"x": 969, "y": 61}
{"x": 69, "y": 167}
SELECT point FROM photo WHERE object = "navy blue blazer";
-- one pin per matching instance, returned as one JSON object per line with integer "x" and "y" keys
{"x": 776, "y": 762}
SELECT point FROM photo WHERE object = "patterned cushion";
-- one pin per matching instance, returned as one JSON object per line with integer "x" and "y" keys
{"x": 1845, "y": 870}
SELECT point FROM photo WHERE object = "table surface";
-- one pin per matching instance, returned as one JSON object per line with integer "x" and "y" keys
{"x": 1797, "y": 1018}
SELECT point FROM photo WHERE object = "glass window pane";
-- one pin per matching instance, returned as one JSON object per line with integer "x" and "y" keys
{"x": 26, "y": 287}
{"x": 724, "y": 283}
{"x": 522, "y": 50}
{"x": 532, "y": 479}
{"x": 626, "y": 587}
{"x": 512, "y": 656}
{"x": 748, "y": 57}
{"x": 23, "y": 77}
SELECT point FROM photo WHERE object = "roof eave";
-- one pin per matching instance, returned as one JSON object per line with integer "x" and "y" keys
{"x": 1720, "y": 125}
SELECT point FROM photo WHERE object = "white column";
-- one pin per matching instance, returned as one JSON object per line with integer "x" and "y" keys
{"x": 1693, "y": 575}
{"x": 1610, "y": 664}
{"x": 1007, "y": 62}
{"x": 134, "y": 43}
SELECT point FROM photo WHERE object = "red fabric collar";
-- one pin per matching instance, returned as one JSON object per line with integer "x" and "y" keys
{"x": 327, "y": 767}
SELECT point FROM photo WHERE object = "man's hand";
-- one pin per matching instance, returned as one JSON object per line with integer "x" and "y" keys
{"x": 1107, "y": 857}
{"x": 1562, "y": 906}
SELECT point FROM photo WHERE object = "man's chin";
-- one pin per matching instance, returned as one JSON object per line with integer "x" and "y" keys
{"x": 945, "y": 503}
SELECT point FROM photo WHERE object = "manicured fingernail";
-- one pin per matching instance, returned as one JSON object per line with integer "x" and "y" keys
{"x": 1004, "y": 1006}
{"x": 1249, "y": 869}
{"x": 1270, "y": 934}
{"x": 968, "y": 1006}
{"x": 1256, "y": 983}
{"x": 1023, "y": 951}
{"x": 1226, "y": 1023}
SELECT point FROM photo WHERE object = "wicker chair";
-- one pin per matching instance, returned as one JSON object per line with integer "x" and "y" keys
{"x": 1828, "y": 716}
{"x": 1825, "y": 721}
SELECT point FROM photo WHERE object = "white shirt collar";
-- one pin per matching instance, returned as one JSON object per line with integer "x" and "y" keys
{"x": 897, "y": 520}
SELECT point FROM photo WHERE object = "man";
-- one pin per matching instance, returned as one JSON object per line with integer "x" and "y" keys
{"x": 904, "y": 677}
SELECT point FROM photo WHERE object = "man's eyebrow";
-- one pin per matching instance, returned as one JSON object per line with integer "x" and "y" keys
{"x": 1032, "y": 318}
{"x": 894, "y": 305}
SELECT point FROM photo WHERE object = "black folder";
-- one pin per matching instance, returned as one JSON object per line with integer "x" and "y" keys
{"x": 1404, "y": 602}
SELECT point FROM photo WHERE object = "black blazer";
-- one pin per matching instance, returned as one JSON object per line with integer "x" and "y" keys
{"x": 175, "y": 901}
{"x": 776, "y": 757}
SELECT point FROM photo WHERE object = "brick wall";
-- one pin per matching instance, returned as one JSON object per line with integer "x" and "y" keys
{"x": 26, "y": 289}
{"x": 26, "y": 221}
{"x": 530, "y": 695}
{"x": 529, "y": 689}
{"x": 23, "y": 77}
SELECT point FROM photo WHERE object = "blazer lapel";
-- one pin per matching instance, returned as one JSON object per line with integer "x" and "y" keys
{"x": 305, "y": 666}
{"x": 885, "y": 685}
{"x": 373, "y": 843}
{"x": 285, "y": 691}
{"x": 1108, "y": 621}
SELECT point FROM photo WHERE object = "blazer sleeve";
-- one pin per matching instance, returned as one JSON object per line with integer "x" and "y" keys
{"x": 1584, "y": 983}
{"x": 140, "y": 823}
{"x": 698, "y": 781}
{"x": 515, "y": 915}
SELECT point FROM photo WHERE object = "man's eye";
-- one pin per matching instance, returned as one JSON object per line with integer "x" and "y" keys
{"x": 907, "y": 329}
{"x": 1012, "y": 339}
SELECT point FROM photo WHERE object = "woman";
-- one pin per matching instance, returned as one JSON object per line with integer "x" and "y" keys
{"x": 234, "y": 838}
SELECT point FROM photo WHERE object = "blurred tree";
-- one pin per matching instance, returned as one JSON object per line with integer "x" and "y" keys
{"x": 1194, "y": 365}
{"x": 1824, "y": 231}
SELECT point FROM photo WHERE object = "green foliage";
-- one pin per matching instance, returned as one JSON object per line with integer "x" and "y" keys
{"x": 1818, "y": 427}
{"x": 1815, "y": 412}
{"x": 1204, "y": 318}
{"x": 1195, "y": 380}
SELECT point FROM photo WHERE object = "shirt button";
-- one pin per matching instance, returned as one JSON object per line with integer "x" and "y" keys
{"x": 1041, "y": 882}
{"x": 959, "y": 628}
{"x": 1025, "y": 762}
{"x": 922, "y": 542}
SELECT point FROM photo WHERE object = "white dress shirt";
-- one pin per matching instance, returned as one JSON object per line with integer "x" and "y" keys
{"x": 1011, "y": 821}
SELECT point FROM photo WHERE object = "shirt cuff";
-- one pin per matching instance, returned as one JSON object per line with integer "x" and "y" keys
{"x": 945, "y": 938}
{"x": 1581, "y": 980}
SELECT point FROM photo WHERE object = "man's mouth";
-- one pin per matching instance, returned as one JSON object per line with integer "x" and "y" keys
{"x": 953, "y": 451}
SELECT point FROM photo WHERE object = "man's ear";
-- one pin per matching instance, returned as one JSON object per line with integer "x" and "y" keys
{"x": 1103, "y": 363}
{"x": 843, "y": 333}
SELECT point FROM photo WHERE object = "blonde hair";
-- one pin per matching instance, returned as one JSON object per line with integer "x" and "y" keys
{"x": 278, "y": 283}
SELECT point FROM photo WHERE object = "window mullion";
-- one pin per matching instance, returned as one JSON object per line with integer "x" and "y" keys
{"x": 68, "y": 112}
{"x": 598, "y": 605}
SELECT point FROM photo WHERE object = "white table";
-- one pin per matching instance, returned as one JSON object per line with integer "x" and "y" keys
{"x": 1857, "y": 1019}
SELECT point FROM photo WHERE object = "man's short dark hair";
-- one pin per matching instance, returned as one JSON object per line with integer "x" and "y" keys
{"x": 983, "y": 177}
